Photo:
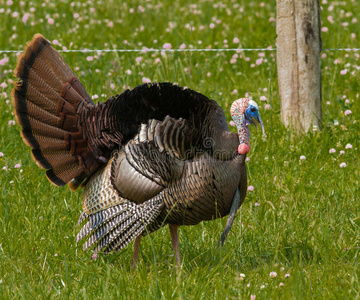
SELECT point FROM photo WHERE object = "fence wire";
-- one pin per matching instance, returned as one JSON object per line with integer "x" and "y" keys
{"x": 177, "y": 50}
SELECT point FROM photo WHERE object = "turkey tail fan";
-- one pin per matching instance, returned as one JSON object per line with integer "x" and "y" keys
{"x": 113, "y": 228}
{"x": 47, "y": 99}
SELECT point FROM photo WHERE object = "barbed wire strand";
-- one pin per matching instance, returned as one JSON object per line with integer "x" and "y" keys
{"x": 176, "y": 50}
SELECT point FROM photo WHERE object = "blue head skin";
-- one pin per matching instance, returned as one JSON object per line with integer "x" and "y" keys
{"x": 252, "y": 114}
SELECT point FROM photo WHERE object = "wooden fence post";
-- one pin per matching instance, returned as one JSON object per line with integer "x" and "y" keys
{"x": 298, "y": 62}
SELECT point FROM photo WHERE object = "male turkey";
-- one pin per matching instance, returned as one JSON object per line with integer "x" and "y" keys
{"x": 158, "y": 154}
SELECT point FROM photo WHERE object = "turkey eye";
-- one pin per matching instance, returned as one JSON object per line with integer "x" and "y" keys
{"x": 253, "y": 109}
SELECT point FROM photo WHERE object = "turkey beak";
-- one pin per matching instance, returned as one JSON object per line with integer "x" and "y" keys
{"x": 255, "y": 120}
{"x": 258, "y": 118}
{"x": 252, "y": 121}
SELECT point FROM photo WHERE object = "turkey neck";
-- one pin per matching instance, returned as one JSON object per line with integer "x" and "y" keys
{"x": 224, "y": 142}
{"x": 225, "y": 145}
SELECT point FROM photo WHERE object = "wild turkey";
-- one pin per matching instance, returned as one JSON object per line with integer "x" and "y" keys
{"x": 158, "y": 154}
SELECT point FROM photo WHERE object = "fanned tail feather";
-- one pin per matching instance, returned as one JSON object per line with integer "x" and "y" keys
{"x": 47, "y": 99}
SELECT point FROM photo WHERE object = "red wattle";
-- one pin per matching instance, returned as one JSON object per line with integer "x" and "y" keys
{"x": 243, "y": 149}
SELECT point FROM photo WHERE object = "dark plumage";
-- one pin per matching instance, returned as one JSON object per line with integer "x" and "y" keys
{"x": 158, "y": 154}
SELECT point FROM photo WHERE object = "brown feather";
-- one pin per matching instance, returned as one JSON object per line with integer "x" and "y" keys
{"x": 46, "y": 99}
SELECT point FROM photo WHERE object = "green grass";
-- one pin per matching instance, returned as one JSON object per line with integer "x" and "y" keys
{"x": 307, "y": 223}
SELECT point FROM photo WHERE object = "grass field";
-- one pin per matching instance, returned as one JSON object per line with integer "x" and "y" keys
{"x": 301, "y": 222}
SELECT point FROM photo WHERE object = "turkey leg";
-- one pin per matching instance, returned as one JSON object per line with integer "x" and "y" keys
{"x": 175, "y": 241}
{"x": 234, "y": 208}
{"x": 136, "y": 251}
